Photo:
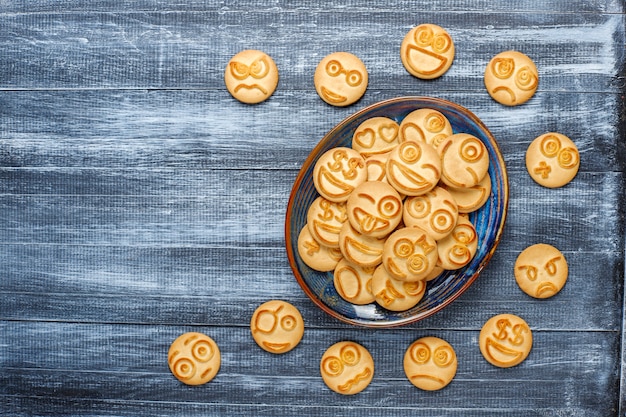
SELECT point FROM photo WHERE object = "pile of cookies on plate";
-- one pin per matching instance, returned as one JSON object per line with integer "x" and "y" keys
{"x": 392, "y": 211}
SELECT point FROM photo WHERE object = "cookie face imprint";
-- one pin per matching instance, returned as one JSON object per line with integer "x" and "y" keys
{"x": 347, "y": 368}
{"x": 277, "y": 326}
{"x": 353, "y": 283}
{"x": 194, "y": 358}
{"x": 458, "y": 248}
{"x": 436, "y": 212}
{"x": 552, "y": 160}
{"x": 396, "y": 295}
{"x": 464, "y": 160}
{"x": 376, "y": 135}
{"x": 358, "y": 248}
{"x": 314, "y": 255}
{"x": 413, "y": 168}
{"x": 427, "y": 51}
{"x": 430, "y": 363}
{"x": 469, "y": 199}
{"x": 511, "y": 78}
{"x": 541, "y": 270}
{"x": 505, "y": 340}
{"x": 251, "y": 76}
{"x": 337, "y": 172}
{"x": 425, "y": 125}
{"x": 410, "y": 254}
{"x": 374, "y": 209}
{"x": 340, "y": 79}
{"x": 325, "y": 219}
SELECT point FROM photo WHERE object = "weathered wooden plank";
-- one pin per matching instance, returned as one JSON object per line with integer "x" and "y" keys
{"x": 208, "y": 129}
{"x": 191, "y": 49}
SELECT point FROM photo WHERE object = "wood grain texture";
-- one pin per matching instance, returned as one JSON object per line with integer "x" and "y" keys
{"x": 139, "y": 200}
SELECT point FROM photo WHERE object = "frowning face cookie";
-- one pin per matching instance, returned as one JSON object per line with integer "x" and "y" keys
{"x": 340, "y": 79}
{"x": 511, "y": 78}
{"x": 194, "y": 358}
{"x": 430, "y": 363}
{"x": 277, "y": 326}
{"x": 347, "y": 368}
{"x": 251, "y": 76}
{"x": 427, "y": 51}
{"x": 541, "y": 270}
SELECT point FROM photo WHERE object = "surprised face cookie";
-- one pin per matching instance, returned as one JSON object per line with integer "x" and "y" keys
{"x": 427, "y": 51}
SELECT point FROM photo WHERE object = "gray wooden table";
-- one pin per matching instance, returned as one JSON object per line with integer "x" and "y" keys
{"x": 139, "y": 200}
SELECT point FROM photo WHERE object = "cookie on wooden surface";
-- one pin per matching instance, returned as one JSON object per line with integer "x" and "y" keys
{"x": 505, "y": 340}
{"x": 194, "y": 358}
{"x": 511, "y": 78}
{"x": 427, "y": 51}
{"x": 340, "y": 79}
{"x": 541, "y": 270}
{"x": 251, "y": 76}
{"x": 277, "y": 326}
{"x": 430, "y": 363}
{"x": 347, "y": 367}
{"x": 552, "y": 160}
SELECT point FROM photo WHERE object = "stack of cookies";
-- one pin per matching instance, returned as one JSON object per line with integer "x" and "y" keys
{"x": 392, "y": 211}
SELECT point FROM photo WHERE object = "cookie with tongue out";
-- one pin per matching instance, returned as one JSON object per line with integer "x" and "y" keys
{"x": 374, "y": 209}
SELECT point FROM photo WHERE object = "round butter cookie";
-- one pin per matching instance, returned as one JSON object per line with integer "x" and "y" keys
{"x": 396, "y": 295}
{"x": 251, "y": 76}
{"x": 427, "y": 51}
{"x": 458, "y": 248}
{"x": 541, "y": 270}
{"x": 464, "y": 160}
{"x": 552, "y": 160}
{"x": 469, "y": 199}
{"x": 430, "y": 363}
{"x": 353, "y": 282}
{"x": 325, "y": 219}
{"x": 347, "y": 368}
{"x": 413, "y": 168}
{"x": 425, "y": 125}
{"x": 360, "y": 249}
{"x": 436, "y": 212}
{"x": 374, "y": 209}
{"x": 410, "y": 254}
{"x": 340, "y": 79}
{"x": 194, "y": 358}
{"x": 318, "y": 257}
{"x": 277, "y": 326}
{"x": 505, "y": 340}
{"x": 377, "y": 135}
{"x": 511, "y": 78}
{"x": 337, "y": 172}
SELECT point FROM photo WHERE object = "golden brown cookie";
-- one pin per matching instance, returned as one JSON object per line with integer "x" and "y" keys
{"x": 458, "y": 248}
{"x": 337, "y": 172}
{"x": 436, "y": 212}
{"x": 347, "y": 368}
{"x": 340, "y": 79}
{"x": 470, "y": 199}
{"x": 464, "y": 160}
{"x": 374, "y": 209}
{"x": 511, "y": 78}
{"x": 425, "y": 125}
{"x": 430, "y": 363}
{"x": 376, "y": 135}
{"x": 194, "y": 358}
{"x": 410, "y": 254}
{"x": 505, "y": 340}
{"x": 353, "y": 282}
{"x": 325, "y": 219}
{"x": 396, "y": 295}
{"x": 427, "y": 51}
{"x": 316, "y": 256}
{"x": 277, "y": 326}
{"x": 358, "y": 248}
{"x": 552, "y": 160}
{"x": 251, "y": 76}
{"x": 413, "y": 168}
{"x": 438, "y": 270}
{"x": 541, "y": 270}
{"x": 377, "y": 167}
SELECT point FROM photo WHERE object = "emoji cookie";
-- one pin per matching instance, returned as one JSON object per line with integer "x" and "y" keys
{"x": 376, "y": 135}
{"x": 337, "y": 172}
{"x": 251, "y": 76}
{"x": 427, "y": 51}
{"x": 347, "y": 368}
{"x": 377, "y": 167}
{"x": 425, "y": 125}
{"x": 470, "y": 199}
{"x": 410, "y": 254}
{"x": 458, "y": 248}
{"x": 374, "y": 209}
{"x": 277, "y": 326}
{"x": 340, "y": 79}
{"x": 436, "y": 212}
{"x": 194, "y": 358}
{"x": 325, "y": 219}
{"x": 541, "y": 270}
{"x": 358, "y": 248}
{"x": 354, "y": 283}
{"x": 464, "y": 160}
{"x": 318, "y": 257}
{"x": 430, "y": 363}
{"x": 413, "y": 168}
{"x": 511, "y": 78}
{"x": 396, "y": 295}
{"x": 552, "y": 160}
{"x": 505, "y": 340}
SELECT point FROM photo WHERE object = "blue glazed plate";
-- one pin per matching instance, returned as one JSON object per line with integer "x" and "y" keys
{"x": 488, "y": 220}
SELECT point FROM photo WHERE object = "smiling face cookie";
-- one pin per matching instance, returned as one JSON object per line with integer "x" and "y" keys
{"x": 541, "y": 270}
{"x": 251, "y": 76}
{"x": 413, "y": 168}
{"x": 430, "y": 363}
{"x": 340, "y": 79}
{"x": 464, "y": 160}
{"x": 337, "y": 172}
{"x": 505, "y": 340}
{"x": 347, "y": 368}
{"x": 427, "y": 51}
{"x": 194, "y": 358}
{"x": 511, "y": 78}
{"x": 377, "y": 135}
{"x": 425, "y": 125}
{"x": 374, "y": 209}
{"x": 277, "y": 326}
